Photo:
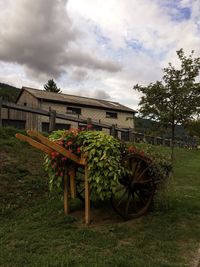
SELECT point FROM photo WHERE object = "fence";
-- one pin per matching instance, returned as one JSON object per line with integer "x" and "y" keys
{"x": 125, "y": 134}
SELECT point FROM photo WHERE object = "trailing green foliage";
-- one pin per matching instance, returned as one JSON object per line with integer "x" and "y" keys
{"x": 104, "y": 159}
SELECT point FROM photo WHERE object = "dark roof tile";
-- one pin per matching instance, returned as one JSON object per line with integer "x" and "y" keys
{"x": 72, "y": 99}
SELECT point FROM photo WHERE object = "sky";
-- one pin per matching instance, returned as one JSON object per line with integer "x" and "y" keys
{"x": 95, "y": 48}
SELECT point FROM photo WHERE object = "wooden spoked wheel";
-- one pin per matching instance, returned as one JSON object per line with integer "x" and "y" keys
{"x": 135, "y": 191}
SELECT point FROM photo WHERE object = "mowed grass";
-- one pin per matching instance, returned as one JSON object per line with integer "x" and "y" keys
{"x": 34, "y": 231}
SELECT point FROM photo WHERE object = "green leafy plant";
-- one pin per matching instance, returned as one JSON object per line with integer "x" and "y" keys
{"x": 103, "y": 159}
{"x": 104, "y": 156}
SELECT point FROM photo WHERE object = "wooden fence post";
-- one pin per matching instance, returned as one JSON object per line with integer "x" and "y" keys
{"x": 134, "y": 138}
{"x": 52, "y": 120}
{"x": 89, "y": 123}
{"x": 1, "y": 100}
{"x": 113, "y": 131}
{"x": 155, "y": 141}
{"x": 130, "y": 135}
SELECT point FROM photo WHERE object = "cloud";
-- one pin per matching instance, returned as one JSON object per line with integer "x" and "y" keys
{"x": 38, "y": 35}
{"x": 94, "y": 49}
{"x": 86, "y": 60}
{"x": 100, "y": 94}
{"x": 79, "y": 74}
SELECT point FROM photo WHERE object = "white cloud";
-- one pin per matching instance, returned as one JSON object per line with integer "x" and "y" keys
{"x": 94, "y": 47}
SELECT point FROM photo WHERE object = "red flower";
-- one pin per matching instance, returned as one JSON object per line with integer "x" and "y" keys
{"x": 53, "y": 165}
{"x": 142, "y": 153}
{"x": 70, "y": 150}
{"x": 131, "y": 149}
{"x": 53, "y": 155}
{"x": 64, "y": 158}
{"x": 78, "y": 150}
{"x": 60, "y": 143}
{"x": 69, "y": 143}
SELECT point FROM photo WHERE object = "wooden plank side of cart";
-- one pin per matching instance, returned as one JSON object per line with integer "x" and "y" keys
{"x": 48, "y": 147}
{"x": 56, "y": 147}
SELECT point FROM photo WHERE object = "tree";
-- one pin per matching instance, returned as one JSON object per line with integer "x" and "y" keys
{"x": 194, "y": 128}
{"x": 176, "y": 99}
{"x": 51, "y": 86}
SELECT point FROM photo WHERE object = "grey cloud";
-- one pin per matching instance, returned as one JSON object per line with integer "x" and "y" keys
{"x": 101, "y": 94}
{"x": 37, "y": 34}
{"x": 97, "y": 93}
{"x": 79, "y": 74}
{"x": 86, "y": 60}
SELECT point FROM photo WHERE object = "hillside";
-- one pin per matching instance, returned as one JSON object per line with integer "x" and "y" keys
{"x": 153, "y": 128}
{"x": 22, "y": 182}
{"x": 8, "y": 92}
{"x": 34, "y": 231}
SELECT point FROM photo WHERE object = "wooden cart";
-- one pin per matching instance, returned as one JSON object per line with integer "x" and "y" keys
{"x": 134, "y": 194}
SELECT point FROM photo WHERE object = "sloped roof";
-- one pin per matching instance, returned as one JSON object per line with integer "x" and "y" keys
{"x": 77, "y": 100}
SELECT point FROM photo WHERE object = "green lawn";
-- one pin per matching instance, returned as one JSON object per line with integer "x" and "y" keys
{"x": 34, "y": 231}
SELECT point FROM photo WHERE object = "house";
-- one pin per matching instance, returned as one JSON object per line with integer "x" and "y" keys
{"x": 98, "y": 110}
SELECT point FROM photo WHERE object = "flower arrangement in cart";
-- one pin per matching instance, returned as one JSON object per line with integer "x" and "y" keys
{"x": 104, "y": 155}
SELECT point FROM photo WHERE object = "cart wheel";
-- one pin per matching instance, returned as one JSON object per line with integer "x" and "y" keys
{"x": 135, "y": 191}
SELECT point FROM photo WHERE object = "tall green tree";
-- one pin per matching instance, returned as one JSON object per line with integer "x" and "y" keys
{"x": 176, "y": 99}
{"x": 194, "y": 128}
{"x": 51, "y": 86}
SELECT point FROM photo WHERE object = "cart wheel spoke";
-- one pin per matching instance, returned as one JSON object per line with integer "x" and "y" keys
{"x": 140, "y": 197}
{"x": 142, "y": 173}
{"x": 122, "y": 198}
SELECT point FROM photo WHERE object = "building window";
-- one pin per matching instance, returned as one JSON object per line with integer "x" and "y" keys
{"x": 112, "y": 115}
{"x": 72, "y": 110}
{"x": 25, "y": 104}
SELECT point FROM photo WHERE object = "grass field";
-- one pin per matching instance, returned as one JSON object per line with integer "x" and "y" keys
{"x": 34, "y": 231}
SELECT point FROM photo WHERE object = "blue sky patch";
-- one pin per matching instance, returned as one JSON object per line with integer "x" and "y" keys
{"x": 175, "y": 11}
{"x": 134, "y": 44}
{"x": 101, "y": 39}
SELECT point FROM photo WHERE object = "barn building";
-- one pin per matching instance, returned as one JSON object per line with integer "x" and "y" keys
{"x": 101, "y": 111}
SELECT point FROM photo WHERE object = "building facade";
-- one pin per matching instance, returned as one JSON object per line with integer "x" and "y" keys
{"x": 98, "y": 110}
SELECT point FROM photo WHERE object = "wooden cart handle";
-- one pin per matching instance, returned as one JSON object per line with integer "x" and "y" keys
{"x": 56, "y": 147}
{"x": 34, "y": 143}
